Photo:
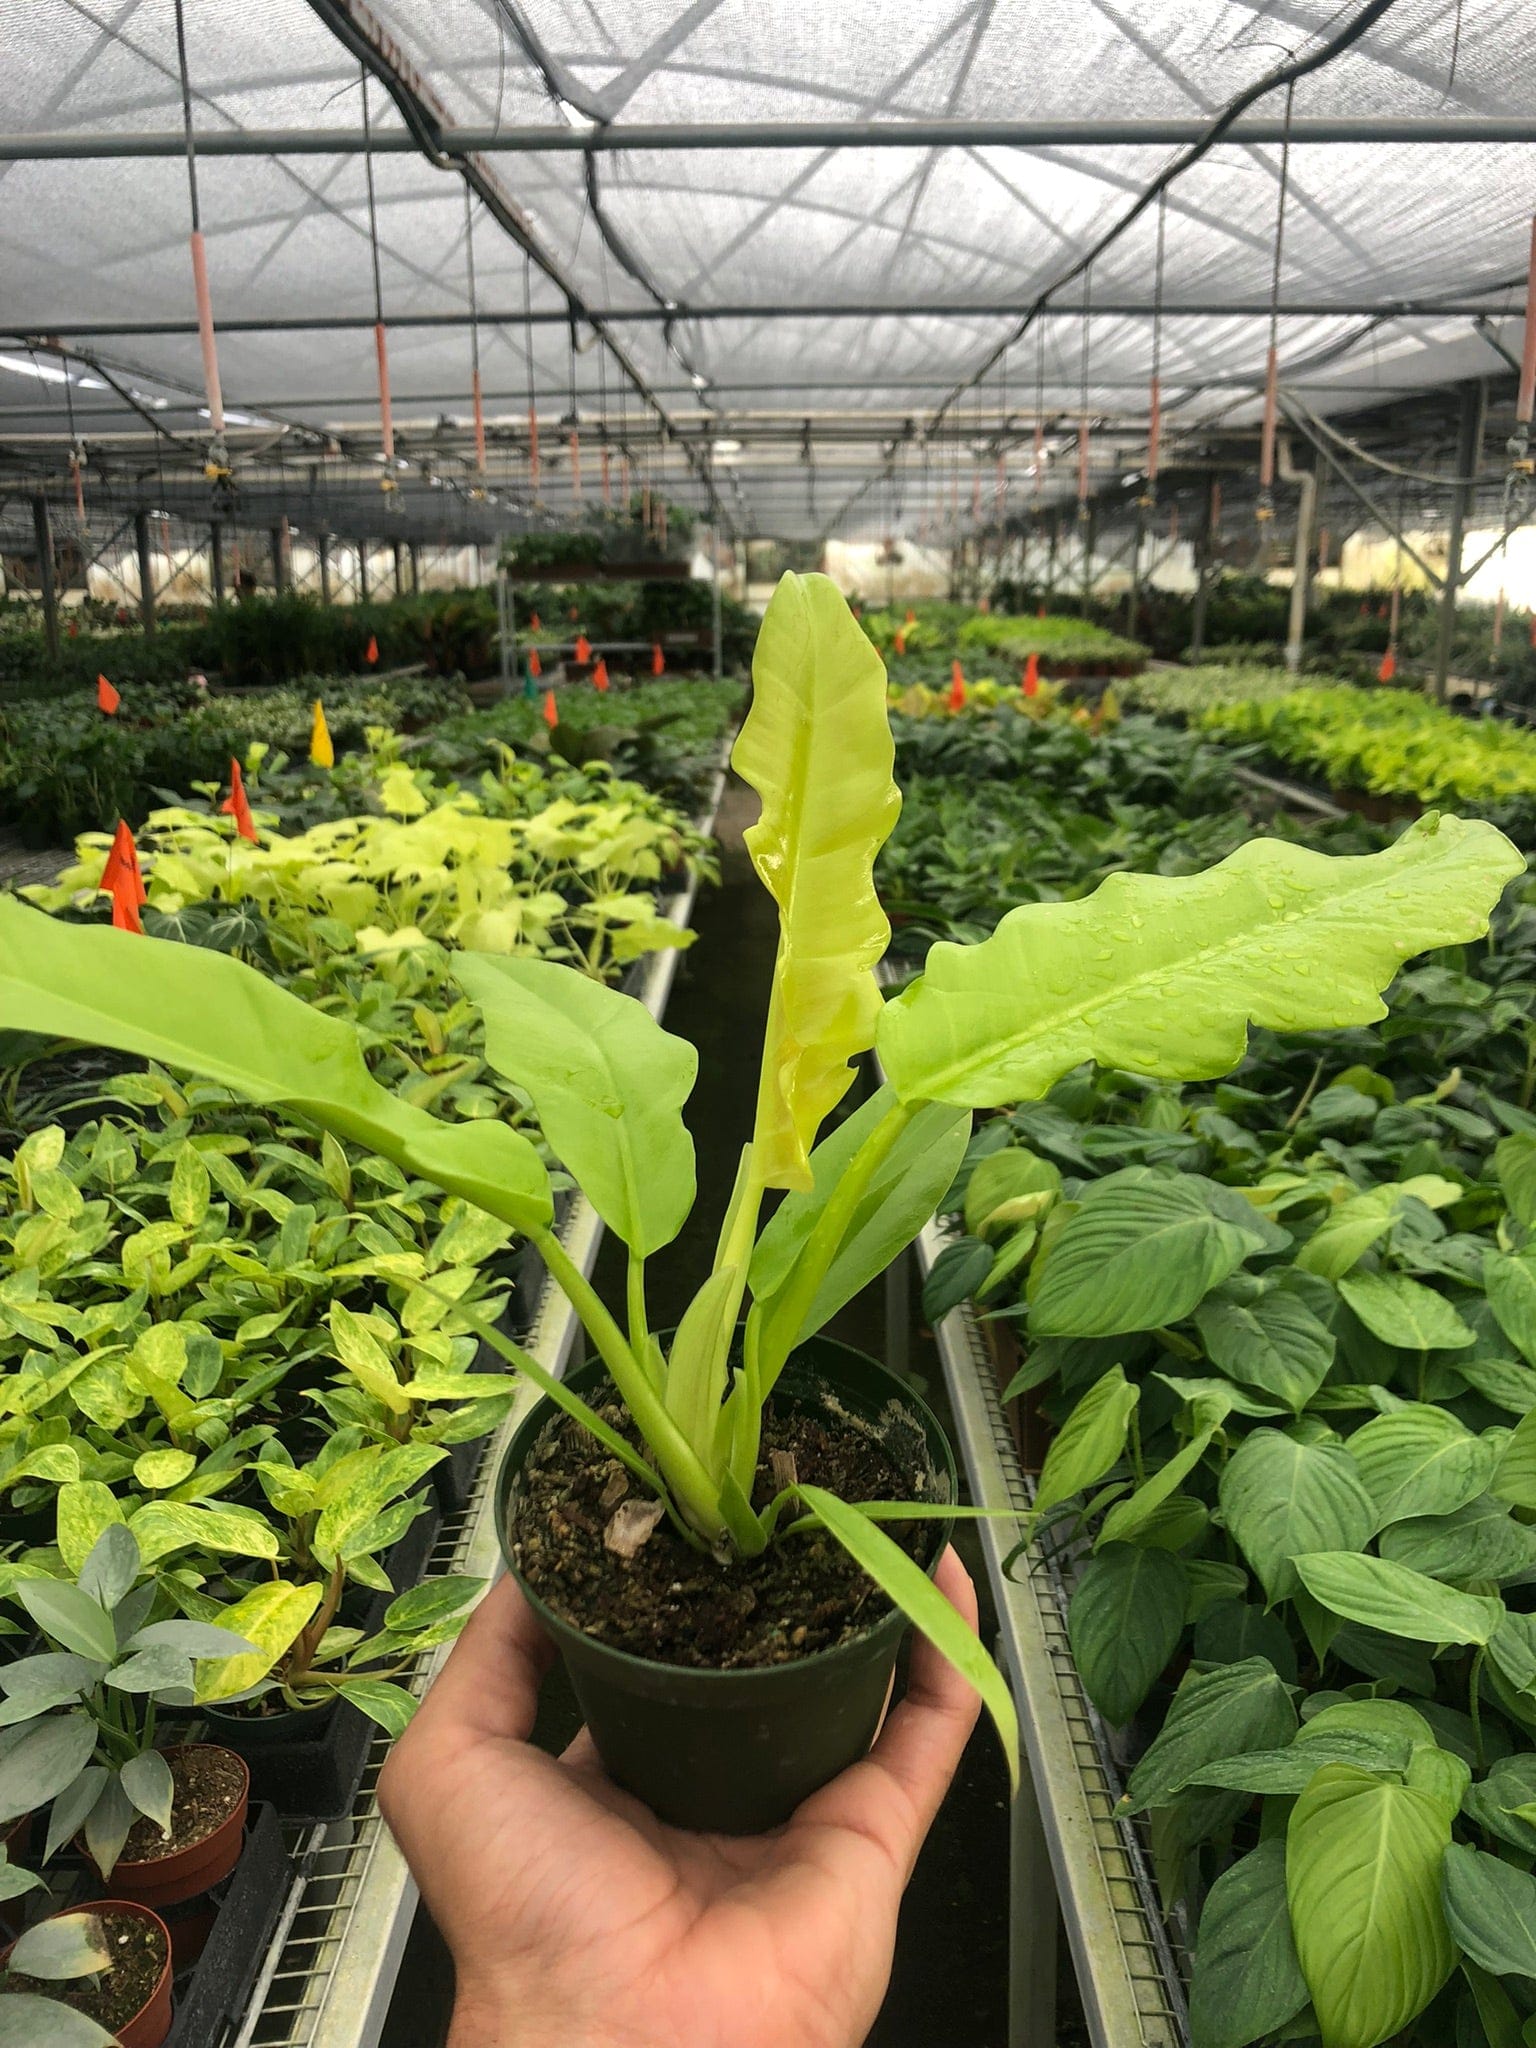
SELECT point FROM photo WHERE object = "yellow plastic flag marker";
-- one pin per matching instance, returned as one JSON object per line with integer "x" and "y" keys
{"x": 321, "y": 752}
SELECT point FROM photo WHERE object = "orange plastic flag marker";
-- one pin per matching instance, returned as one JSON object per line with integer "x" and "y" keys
{"x": 107, "y": 698}
{"x": 1039, "y": 611}
{"x": 74, "y": 629}
{"x": 122, "y": 880}
{"x": 1388, "y": 668}
{"x": 574, "y": 614}
{"x": 372, "y": 655}
{"x": 1032, "y": 676}
{"x": 537, "y": 623}
{"x": 600, "y": 674}
{"x": 984, "y": 604}
{"x": 551, "y": 715}
{"x": 535, "y": 666}
{"x": 583, "y": 647}
{"x": 911, "y": 618}
{"x": 901, "y": 640}
{"x": 235, "y": 806}
{"x": 956, "y": 686}
{"x": 321, "y": 751}
{"x": 658, "y": 662}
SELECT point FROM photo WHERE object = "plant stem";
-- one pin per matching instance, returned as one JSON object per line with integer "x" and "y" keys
{"x": 639, "y": 1330}
{"x": 678, "y": 1462}
{"x": 770, "y": 1340}
{"x": 1474, "y": 1705}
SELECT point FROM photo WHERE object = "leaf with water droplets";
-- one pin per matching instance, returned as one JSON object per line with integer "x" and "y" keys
{"x": 1173, "y": 996}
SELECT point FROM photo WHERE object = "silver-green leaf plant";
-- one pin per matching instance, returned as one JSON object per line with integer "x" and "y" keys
{"x": 1158, "y": 974}
{"x": 77, "y": 1723}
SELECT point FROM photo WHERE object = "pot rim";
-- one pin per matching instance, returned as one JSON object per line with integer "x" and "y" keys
{"x": 137, "y": 1863}
{"x": 138, "y": 1911}
{"x": 897, "y": 1620}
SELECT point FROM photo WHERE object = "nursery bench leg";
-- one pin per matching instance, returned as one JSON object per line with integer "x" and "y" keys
{"x": 1034, "y": 1916}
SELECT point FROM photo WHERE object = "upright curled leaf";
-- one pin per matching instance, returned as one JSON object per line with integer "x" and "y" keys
{"x": 816, "y": 746}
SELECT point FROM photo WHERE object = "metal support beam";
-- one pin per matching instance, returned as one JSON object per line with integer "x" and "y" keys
{"x": 714, "y": 598}
{"x": 616, "y": 136}
{"x": 1305, "y": 481}
{"x": 397, "y": 552}
{"x": 1361, "y": 496}
{"x": 216, "y": 560}
{"x": 42, "y": 527}
{"x": 1205, "y": 568}
{"x": 323, "y": 549}
{"x": 890, "y": 309}
{"x": 415, "y": 569}
{"x": 1469, "y": 443}
{"x": 280, "y": 556}
{"x": 1133, "y": 594}
{"x": 362, "y": 571}
{"x": 146, "y": 577}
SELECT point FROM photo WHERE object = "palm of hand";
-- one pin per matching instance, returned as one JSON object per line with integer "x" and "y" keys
{"x": 574, "y": 1915}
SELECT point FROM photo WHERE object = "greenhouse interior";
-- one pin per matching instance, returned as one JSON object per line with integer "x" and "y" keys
{"x": 767, "y": 1024}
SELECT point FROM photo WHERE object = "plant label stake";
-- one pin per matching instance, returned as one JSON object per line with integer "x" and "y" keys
{"x": 107, "y": 699}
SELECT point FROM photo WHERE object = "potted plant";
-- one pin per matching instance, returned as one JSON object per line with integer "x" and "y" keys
{"x": 80, "y": 1716}
{"x": 91, "y": 1978}
{"x": 705, "y": 1440}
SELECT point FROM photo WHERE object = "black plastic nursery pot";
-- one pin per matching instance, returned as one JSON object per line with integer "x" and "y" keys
{"x": 736, "y": 1751}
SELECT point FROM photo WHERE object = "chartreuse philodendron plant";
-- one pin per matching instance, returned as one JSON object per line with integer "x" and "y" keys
{"x": 1152, "y": 973}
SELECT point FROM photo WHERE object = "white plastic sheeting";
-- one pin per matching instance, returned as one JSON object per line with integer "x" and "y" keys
{"x": 90, "y": 242}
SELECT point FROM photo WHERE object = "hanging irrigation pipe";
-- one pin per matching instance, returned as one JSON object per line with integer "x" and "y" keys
{"x": 1155, "y": 387}
{"x": 380, "y": 337}
{"x": 1264, "y": 511}
{"x": 475, "y": 390}
{"x": 216, "y": 466}
{"x": 1283, "y": 75}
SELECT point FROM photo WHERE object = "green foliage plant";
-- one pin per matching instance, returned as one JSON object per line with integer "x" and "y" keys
{"x": 79, "y": 1716}
{"x": 1160, "y": 974}
{"x": 59, "y": 1950}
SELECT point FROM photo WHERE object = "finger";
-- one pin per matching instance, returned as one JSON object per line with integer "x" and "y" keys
{"x": 919, "y": 1748}
{"x": 490, "y": 1684}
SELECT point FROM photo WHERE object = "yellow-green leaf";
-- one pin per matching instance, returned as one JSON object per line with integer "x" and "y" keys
{"x": 816, "y": 746}
{"x": 270, "y": 1616}
{"x": 1163, "y": 974}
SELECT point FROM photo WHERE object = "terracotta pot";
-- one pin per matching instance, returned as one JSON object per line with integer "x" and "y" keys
{"x": 152, "y": 2022}
{"x": 167, "y": 1880}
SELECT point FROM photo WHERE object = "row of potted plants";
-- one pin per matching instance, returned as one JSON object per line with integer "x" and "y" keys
{"x": 1277, "y": 1371}
{"x": 242, "y": 1360}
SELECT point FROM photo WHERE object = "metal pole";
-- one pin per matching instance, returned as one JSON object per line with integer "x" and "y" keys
{"x": 1306, "y": 513}
{"x": 362, "y": 571}
{"x": 1050, "y": 562}
{"x": 216, "y": 560}
{"x": 1090, "y": 526}
{"x": 504, "y": 629}
{"x": 415, "y": 569}
{"x": 1133, "y": 595}
{"x": 323, "y": 549}
{"x": 42, "y": 527}
{"x": 279, "y": 575}
{"x": 146, "y": 577}
{"x": 1469, "y": 442}
{"x": 398, "y": 553}
{"x": 843, "y": 309}
{"x": 1204, "y": 566}
{"x": 714, "y": 600}
{"x": 1161, "y": 131}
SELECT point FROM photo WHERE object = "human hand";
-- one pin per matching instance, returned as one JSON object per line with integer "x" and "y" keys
{"x": 578, "y": 1920}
